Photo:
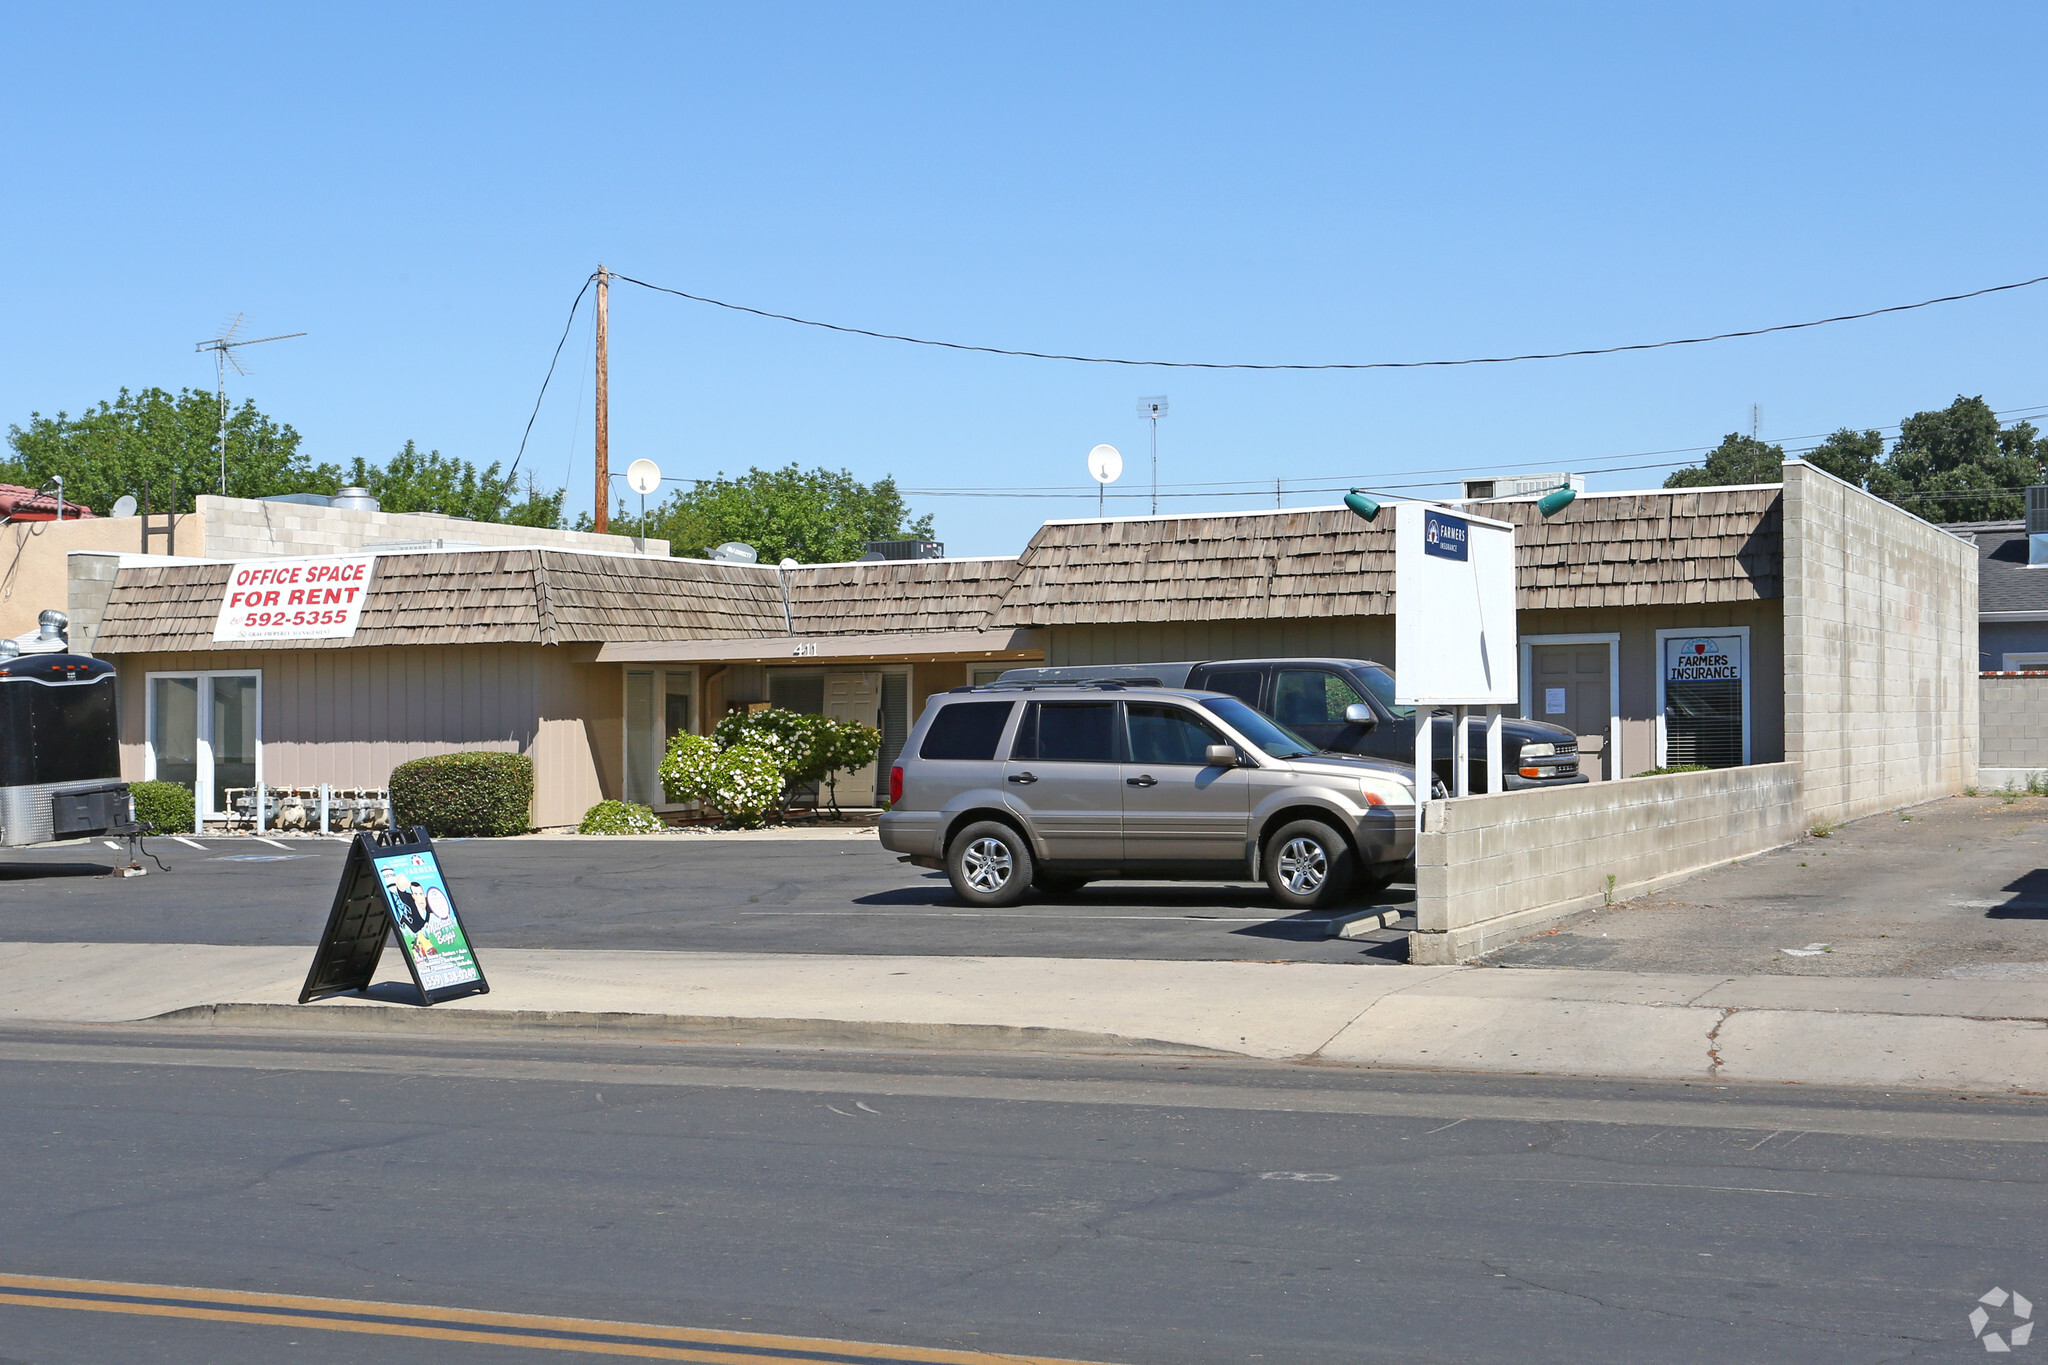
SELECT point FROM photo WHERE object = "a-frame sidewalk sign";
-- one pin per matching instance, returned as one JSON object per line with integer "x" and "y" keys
{"x": 391, "y": 883}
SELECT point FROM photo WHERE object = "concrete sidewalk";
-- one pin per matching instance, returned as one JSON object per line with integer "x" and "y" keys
{"x": 1890, "y": 1032}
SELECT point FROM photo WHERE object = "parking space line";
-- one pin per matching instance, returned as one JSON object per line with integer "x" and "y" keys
{"x": 984, "y": 914}
{"x": 111, "y": 844}
{"x": 272, "y": 842}
{"x": 181, "y": 839}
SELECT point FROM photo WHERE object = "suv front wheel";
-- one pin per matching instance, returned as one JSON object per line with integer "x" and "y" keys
{"x": 1308, "y": 865}
{"x": 989, "y": 864}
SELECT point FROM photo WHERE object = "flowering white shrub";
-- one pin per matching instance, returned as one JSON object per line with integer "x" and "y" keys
{"x": 689, "y": 769}
{"x": 619, "y": 817}
{"x": 747, "y": 783}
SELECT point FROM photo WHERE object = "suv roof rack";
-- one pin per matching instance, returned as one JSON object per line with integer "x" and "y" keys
{"x": 1096, "y": 684}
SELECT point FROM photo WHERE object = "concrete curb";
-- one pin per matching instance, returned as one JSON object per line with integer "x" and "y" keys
{"x": 692, "y": 1028}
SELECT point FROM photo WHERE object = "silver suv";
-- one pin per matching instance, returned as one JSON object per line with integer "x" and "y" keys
{"x": 1007, "y": 787}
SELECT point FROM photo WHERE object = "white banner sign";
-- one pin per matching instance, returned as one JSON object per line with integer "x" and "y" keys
{"x": 294, "y": 599}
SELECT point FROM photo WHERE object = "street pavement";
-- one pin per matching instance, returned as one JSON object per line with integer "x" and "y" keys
{"x": 755, "y": 894}
{"x": 1150, "y": 1212}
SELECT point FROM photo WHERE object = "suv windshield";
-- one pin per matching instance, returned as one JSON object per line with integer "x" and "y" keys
{"x": 1380, "y": 683}
{"x": 1271, "y": 737}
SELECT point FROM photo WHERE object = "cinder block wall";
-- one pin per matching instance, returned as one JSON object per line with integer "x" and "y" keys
{"x": 1492, "y": 869}
{"x": 2014, "y": 721}
{"x": 244, "y": 528}
{"x": 1881, "y": 703}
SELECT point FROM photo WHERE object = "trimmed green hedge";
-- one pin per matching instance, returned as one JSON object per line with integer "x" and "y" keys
{"x": 464, "y": 796}
{"x": 166, "y": 805}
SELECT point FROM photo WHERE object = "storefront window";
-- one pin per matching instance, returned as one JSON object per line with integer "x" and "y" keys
{"x": 204, "y": 733}
{"x": 643, "y": 762}
{"x": 1704, "y": 685}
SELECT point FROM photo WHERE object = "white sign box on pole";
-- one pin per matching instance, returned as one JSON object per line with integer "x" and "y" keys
{"x": 294, "y": 599}
{"x": 1454, "y": 608}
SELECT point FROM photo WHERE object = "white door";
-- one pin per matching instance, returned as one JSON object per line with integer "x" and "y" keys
{"x": 855, "y": 696}
{"x": 204, "y": 733}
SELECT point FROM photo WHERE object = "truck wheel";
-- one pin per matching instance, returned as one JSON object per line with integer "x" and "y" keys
{"x": 989, "y": 864}
{"x": 1309, "y": 866}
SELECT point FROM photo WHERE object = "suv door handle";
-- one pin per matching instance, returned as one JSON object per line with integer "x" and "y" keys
{"x": 1146, "y": 781}
{"x": 1025, "y": 779}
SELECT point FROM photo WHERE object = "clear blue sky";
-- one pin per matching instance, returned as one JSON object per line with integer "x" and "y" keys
{"x": 423, "y": 189}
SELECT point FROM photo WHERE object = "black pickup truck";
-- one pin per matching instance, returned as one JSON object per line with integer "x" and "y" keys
{"x": 1313, "y": 696}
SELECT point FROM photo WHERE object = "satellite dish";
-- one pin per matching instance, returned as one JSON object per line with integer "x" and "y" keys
{"x": 733, "y": 552}
{"x": 124, "y": 506}
{"x": 643, "y": 476}
{"x": 1105, "y": 464}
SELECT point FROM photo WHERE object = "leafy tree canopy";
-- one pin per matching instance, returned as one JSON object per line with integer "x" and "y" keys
{"x": 814, "y": 516}
{"x": 1951, "y": 464}
{"x": 1738, "y": 459}
{"x": 159, "y": 442}
{"x": 432, "y": 482}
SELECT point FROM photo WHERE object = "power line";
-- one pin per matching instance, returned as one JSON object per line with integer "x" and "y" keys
{"x": 1371, "y": 365}
{"x": 550, "y": 375}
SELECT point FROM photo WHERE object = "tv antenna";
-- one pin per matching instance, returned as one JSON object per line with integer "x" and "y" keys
{"x": 1154, "y": 408}
{"x": 224, "y": 347}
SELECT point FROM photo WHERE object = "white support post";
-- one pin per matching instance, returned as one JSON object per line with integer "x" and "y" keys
{"x": 1461, "y": 751}
{"x": 1425, "y": 753}
{"x": 259, "y": 808}
{"x": 1496, "y": 779}
{"x": 325, "y": 793}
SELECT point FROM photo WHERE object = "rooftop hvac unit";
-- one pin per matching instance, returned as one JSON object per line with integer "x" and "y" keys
{"x": 905, "y": 549}
{"x": 1523, "y": 485}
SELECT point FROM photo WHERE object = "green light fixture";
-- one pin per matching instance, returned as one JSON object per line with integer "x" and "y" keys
{"x": 1556, "y": 500}
{"x": 1358, "y": 502}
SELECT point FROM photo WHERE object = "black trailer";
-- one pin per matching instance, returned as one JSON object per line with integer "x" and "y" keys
{"x": 60, "y": 751}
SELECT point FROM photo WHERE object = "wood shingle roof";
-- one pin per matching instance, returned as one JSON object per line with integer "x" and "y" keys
{"x": 897, "y": 595}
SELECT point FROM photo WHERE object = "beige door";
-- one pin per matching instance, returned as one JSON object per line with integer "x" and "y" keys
{"x": 855, "y": 696}
{"x": 1571, "y": 685}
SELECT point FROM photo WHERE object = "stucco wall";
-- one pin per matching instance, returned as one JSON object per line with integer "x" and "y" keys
{"x": 1881, "y": 706}
{"x": 33, "y": 575}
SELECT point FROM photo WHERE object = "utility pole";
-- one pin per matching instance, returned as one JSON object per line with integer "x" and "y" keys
{"x": 602, "y": 521}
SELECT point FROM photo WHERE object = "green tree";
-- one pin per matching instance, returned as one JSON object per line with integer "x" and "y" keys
{"x": 1852, "y": 456}
{"x": 1957, "y": 464}
{"x": 814, "y": 516}
{"x": 432, "y": 482}
{"x": 157, "y": 442}
{"x": 1738, "y": 459}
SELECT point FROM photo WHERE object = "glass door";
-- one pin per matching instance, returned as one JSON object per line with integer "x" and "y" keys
{"x": 205, "y": 734}
{"x": 643, "y": 762}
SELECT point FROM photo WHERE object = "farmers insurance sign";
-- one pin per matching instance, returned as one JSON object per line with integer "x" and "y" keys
{"x": 293, "y": 599}
{"x": 1704, "y": 659}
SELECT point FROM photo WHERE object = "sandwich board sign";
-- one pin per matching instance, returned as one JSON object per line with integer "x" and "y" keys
{"x": 393, "y": 883}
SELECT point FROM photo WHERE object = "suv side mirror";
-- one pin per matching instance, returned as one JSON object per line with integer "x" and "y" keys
{"x": 1358, "y": 713}
{"x": 1222, "y": 756}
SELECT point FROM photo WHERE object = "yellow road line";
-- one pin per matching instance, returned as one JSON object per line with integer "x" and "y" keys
{"x": 593, "y": 1336}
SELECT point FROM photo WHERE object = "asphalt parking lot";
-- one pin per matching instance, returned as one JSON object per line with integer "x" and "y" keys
{"x": 1955, "y": 888}
{"x": 751, "y": 894}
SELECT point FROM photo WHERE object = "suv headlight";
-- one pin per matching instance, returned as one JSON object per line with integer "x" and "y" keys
{"x": 1538, "y": 750}
{"x": 1386, "y": 791}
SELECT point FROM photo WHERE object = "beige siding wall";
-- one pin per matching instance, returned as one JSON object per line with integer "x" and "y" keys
{"x": 349, "y": 716}
{"x": 1341, "y": 637}
{"x": 1881, "y": 697}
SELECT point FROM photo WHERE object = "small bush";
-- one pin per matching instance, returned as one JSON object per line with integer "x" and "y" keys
{"x": 747, "y": 784}
{"x": 1674, "y": 768}
{"x": 849, "y": 747}
{"x": 619, "y": 817}
{"x": 464, "y": 796}
{"x": 1822, "y": 829}
{"x": 2037, "y": 784}
{"x": 166, "y": 805}
{"x": 689, "y": 770}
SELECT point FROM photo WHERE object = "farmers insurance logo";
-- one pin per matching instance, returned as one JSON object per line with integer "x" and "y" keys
{"x": 1703, "y": 660}
{"x": 1445, "y": 537}
{"x": 2016, "y": 1319}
